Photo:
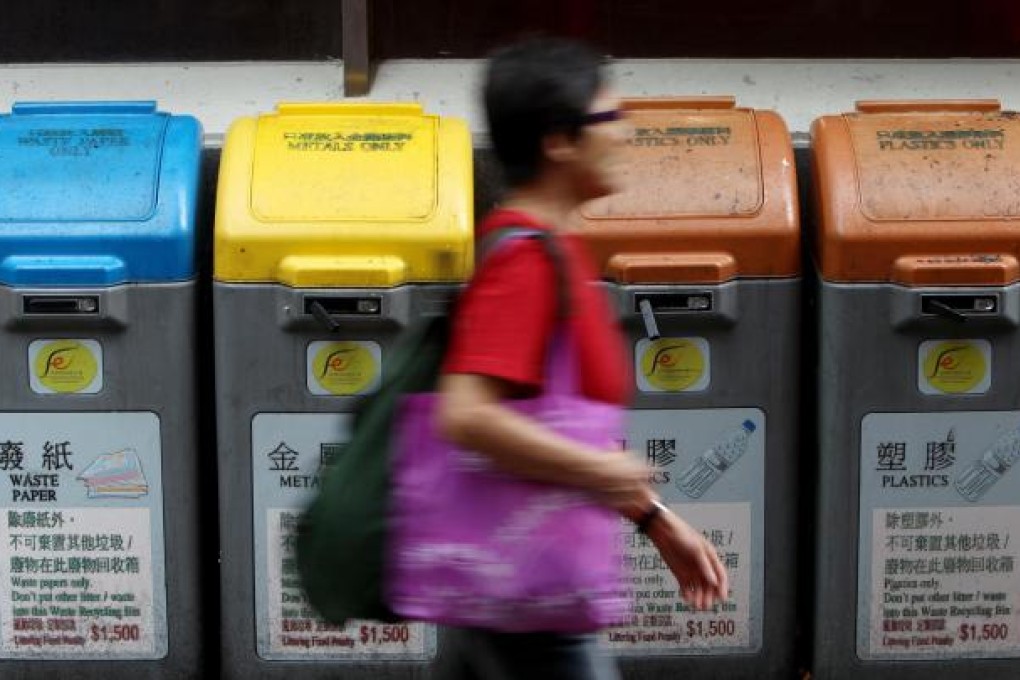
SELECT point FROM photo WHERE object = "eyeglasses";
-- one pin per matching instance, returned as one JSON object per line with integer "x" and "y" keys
{"x": 597, "y": 117}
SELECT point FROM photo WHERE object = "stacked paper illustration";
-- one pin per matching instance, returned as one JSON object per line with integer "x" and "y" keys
{"x": 117, "y": 474}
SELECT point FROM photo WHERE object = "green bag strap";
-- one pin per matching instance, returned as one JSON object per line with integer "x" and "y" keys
{"x": 412, "y": 369}
{"x": 490, "y": 243}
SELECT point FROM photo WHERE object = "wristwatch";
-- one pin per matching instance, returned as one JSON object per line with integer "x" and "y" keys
{"x": 646, "y": 519}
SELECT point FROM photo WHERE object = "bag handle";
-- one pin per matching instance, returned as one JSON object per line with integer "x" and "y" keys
{"x": 561, "y": 369}
{"x": 491, "y": 242}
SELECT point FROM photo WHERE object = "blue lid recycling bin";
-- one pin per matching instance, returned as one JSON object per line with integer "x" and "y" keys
{"x": 98, "y": 450}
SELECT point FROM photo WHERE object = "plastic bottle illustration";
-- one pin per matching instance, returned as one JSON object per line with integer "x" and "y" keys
{"x": 976, "y": 479}
{"x": 719, "y": 457}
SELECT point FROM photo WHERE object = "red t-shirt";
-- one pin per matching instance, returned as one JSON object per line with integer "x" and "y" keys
{"x": 507, "y": 316}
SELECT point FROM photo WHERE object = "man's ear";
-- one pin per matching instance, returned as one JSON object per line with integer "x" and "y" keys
{"x": 558, "y": 147}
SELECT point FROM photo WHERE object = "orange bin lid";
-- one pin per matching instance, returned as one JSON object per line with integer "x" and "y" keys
{"x": 920, "y": 193}
{"x": 711, "y": 196}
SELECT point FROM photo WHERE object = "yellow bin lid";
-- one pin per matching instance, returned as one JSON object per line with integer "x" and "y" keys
{"x": 918, "y": 193}
{"x": 345, "y": 195}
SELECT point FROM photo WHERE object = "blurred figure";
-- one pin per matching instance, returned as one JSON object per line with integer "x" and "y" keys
{"x": 557, "y": 131}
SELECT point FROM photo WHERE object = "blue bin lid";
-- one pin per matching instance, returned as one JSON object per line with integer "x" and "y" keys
{"x": 97, "y": 193}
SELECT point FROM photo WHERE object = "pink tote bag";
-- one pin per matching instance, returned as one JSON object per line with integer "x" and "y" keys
{"x": 472, "y": 546}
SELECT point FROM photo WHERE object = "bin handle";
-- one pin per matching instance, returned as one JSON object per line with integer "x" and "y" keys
{"x": 948, "y": 269}
{"x": 44, "y": 270}
{"x": 928, "y": 105}
{"x": 84, "y": 108}
{"x": 350, "y": 108}
{"x": 715, "y": 102}
{"x": 659, "y": 268}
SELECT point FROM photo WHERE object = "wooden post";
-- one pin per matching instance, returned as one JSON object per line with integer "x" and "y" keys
{"x": 357, "y": 65}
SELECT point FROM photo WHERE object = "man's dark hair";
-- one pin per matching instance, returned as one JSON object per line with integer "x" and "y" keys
{"x": 534, "y": 88}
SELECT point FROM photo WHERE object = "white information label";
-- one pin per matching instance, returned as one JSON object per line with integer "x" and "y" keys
{"x": 79, "y": 580}
{"x": 289, "y": 451}
{"x": 660, "y": 620}
{"x": 82, "y": 573}
{"x": 294, "y": 625}
{"x": 708, "y": 465}
{"x": 947, "y": 582}
{"x": 937, "y": 558}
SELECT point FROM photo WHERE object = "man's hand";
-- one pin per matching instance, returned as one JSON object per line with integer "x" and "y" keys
{"x": 691, "y": 558}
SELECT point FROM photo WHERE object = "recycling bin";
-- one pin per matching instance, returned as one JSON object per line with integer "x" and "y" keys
{"x": 916, "y": 249}
{"x": 337, "y": 226}
{"x": 701, "y": 254}
{"x": 98, "y": 454}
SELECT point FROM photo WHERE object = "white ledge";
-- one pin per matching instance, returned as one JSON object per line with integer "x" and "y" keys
{"x": 800, "y": 90}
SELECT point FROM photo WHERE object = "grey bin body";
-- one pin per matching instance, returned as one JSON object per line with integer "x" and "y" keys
{"x": 918, "y": 404}
{"x": 146, "y": 332}
{"x": 870, "y": 348}
{"x": 101, "y": 472}
{"x": 263, "y": 400}
{"x": 704, "y": 242}
{"x": 752, "y": 332}
{"x": 365, "y": 209}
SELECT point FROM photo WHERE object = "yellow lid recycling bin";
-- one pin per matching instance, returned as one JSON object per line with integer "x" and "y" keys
{"x": 337, "y": 225}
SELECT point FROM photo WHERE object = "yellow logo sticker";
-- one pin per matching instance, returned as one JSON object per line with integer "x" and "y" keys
{"x": 955, "y": 367}
{"x": 671, "y": 364}
{"x": 65, "y": 366}
{"x": 343, "y": 368}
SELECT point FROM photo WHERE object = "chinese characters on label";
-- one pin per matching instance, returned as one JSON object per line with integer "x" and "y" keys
{"x": 290, "y": 454}
{"x": 937, "y": 566}
{"x": 295, "y": 626}
{"x": 945, "y": 580}
{"x": 81, "y": 537}
{"x": 708, "y": 466}
{"x": 79, "y": 580}
{"x": 659, "y": 617}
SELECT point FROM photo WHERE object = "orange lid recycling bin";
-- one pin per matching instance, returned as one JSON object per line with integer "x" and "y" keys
{"x": 702, "y": 254}
{"x": 916, "y": 244}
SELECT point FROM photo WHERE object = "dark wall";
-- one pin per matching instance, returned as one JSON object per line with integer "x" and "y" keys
{"x": 168, "y": 30}
{"x": 181, "y": 30}
{"x": 737, "y": 28}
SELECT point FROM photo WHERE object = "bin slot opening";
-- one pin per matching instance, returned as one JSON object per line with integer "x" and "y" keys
{"x": 672, "y": 303}
{"x": 357, "y": 306}
{"x": 60, "y": 304}
{"x": 959, "y": 306}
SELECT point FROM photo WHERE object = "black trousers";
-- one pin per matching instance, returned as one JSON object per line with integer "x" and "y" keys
{"x": 473, "y": 654}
